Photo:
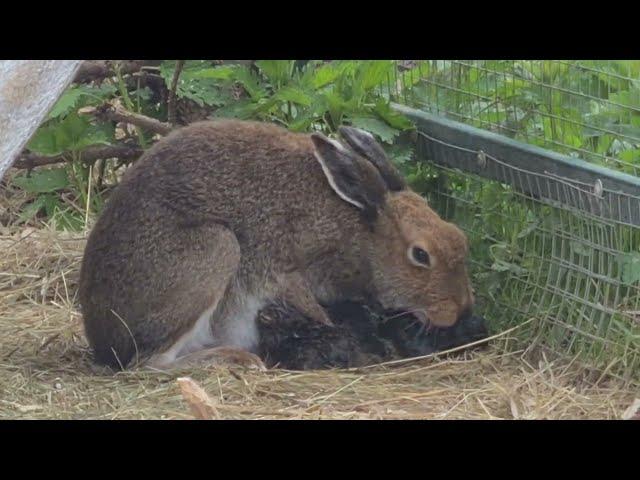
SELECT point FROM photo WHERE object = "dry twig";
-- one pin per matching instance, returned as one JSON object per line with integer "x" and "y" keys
{"x": 173, "y": 97}
{"x": 88, "y": 156}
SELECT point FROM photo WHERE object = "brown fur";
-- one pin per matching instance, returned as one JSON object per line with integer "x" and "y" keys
{"x": 219, "y": 212}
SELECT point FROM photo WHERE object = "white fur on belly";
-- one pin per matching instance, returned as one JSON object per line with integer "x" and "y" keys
{"x": 239, "y": 328}
{"x": 198, "y": 338}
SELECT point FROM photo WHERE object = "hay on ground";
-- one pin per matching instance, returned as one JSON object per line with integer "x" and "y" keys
{"x": 46, "y": 372}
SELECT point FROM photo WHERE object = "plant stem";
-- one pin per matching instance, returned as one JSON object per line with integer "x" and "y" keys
{"x": 129, "y": 104}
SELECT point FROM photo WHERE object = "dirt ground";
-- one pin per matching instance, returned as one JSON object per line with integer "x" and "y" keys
{"x": 46, "y": 370}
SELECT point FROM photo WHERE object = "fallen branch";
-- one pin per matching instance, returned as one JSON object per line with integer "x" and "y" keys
{"x": 88, "y": 156}
{"x": 119, "y": 114}
{"x": 91, "y": 70}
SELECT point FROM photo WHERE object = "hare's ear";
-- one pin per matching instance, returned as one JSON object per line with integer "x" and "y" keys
{"x": 365, "y": 145}
{"x": 351, "y": 178}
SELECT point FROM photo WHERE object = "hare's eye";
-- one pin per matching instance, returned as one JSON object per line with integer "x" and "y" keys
{"x": 420, "y": 256}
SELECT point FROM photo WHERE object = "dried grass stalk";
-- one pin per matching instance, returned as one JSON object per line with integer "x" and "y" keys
{"x": 199, "y": 402}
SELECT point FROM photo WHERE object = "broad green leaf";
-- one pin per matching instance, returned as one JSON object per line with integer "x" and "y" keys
{"x": 295, "y": 95}
{"x": 102, "y": 134}
{"x": 376, "y": 127}
{"x": 325, "y": 75}
{"x": 66, "y": 103}
{"x": 400, "y": 154}
{"x": 190, "y": 66}
{"x": 529, "y": 228}
{"x": 43, "y": 181}
{"x": 75, "y": 133}
{"x": 51, "y": 204}
{"x": 71, "y": 130}
{"x": 242, "y": 109}
{"x": 143, "y": 93}
{"x": 67, "y": 219}
{"x": 70, "y": 134}
{"x": 32, "y": 209}
{"x": 502, "y": 266}
{"x": 629, "y": 267}
{"x": 224, "y": 72}
{"x": 250, "y": 82}
{"x": 80, "y": 96}
{"x": 631, "y": 156}
{"x": 201, "y": 82}
{"x": 393, "y": 118}
{"x": 581, "y": 249}
{"x": 45, "y": 142}
{"x": 205, "y": 94}
{"x": 278, "y": 72}
{"x": 334, "y": 105}
{"x": 373, "y": 73}
{"x": 303, "y": 122}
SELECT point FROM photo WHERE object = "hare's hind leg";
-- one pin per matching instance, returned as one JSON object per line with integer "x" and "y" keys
{"x": 207, "y": 268}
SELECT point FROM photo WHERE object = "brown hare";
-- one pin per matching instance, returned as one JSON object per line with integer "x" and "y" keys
{"x": 221, "y": 217}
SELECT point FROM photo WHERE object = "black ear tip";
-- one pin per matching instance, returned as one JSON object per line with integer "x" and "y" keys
{"x": 356, "y": 136}
{"x": 347, "y": 132}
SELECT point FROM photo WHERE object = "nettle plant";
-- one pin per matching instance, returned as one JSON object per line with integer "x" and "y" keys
{"x": 299, "y": 95}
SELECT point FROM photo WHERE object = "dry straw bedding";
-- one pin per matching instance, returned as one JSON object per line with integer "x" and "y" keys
{"x": 46, "y": 372}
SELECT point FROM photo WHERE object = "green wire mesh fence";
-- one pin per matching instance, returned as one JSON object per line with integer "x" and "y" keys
{"x": 554, "y": 231}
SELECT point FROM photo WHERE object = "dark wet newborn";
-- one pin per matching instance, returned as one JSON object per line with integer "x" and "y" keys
{"x": 361, "y": 336}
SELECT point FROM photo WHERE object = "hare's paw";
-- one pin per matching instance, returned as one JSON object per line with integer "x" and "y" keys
{"x": 296, "y": 292}
{"x": 229, "y": 356}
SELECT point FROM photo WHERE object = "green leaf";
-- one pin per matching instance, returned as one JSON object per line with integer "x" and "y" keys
{"x": 73, "y": 133}
{"x": 502, "y": 266}
{"x": 67, "y": 219}
{"x": 241, "y": 109}
{"x": 80, "y": 96}
{"x": 303, "y": 122}
{"x": 580, "y": 248}
{"x": 529, "y": 228}
{"x": 32, "y": 209}
{"x": 45, "y": 142}
{"x": 76, "y": 132}
{"x": 278, "y": 72}
{"x": 631, "y": 156}
{"x": 250, "y": 82}
{"x": 400, "y": 154}
{"x": 325, "y": 75}
{"x": 376, "y": 127}
{"x": 219, "y": 73}
{"x": 143, "y": 93}
{"x": 43, "y": 181}
{"x": 51, "y": 204}
{"x": 629, "y": 267}
{"x": 373, "y": 73}
{"x": 66, "y": 103}
{"x": 294, "y": 95}
{"x": 200, "y": 82}
{"x": 392, "y": 117}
